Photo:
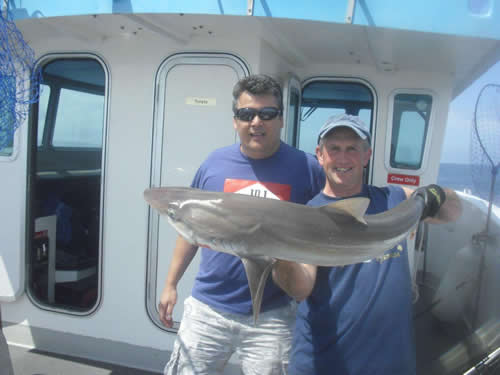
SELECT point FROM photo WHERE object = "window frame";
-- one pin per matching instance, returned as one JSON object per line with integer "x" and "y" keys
{"x": 31, "y": 172}
{"x": 291, "y": 119}
{"x": 428, "y": 136}
{"x": 372, "y": 126}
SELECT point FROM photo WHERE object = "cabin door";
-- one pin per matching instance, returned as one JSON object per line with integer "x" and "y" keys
{"x": 193, "y": 116}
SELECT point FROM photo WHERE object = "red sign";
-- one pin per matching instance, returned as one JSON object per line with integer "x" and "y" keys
{"x": 403, "y": 179}
{"x": 41, "y": 234}
{"x": 258, "y": 189}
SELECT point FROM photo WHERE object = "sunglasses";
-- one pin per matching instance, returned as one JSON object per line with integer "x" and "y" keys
{"x": 248, "y": 114}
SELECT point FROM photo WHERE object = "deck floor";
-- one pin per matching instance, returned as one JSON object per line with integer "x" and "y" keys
{"x": 35, "y": 362}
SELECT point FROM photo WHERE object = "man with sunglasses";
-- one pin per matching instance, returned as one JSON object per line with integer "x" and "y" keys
{"x": 218, "y": 319}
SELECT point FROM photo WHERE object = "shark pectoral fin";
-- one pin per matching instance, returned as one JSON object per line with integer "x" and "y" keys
{"x": 355, "y": 207}
{"x": 257, "y": 270}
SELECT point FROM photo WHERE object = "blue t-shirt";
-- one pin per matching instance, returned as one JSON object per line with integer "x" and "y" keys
{"x": 358, "y": 318}
{"x": 289, "y": 174}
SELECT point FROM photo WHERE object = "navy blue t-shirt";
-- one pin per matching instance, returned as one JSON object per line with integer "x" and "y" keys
{"x": 290, "y": 175}
{"x": 358, "y": 318}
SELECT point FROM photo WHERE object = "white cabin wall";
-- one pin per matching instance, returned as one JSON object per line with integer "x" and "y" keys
{"x": 132, "y": 62}
{"x": 12, "y": 201}
{"x": 438, "y": 84}
{"x": 127, "y": 174}
{"x": 384, "y": 83}
{"x": 272, "y": 63}
{"x": 260, "y": 56}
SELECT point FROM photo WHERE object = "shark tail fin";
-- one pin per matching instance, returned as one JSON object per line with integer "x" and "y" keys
{"x": 257, "y": 270}
{"x": 355, "y": 207}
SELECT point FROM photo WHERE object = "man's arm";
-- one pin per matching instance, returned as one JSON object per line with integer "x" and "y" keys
{"x": 296, "y": 279}
{"x": 449, "y": 210}
{"x": 184, "y": 253}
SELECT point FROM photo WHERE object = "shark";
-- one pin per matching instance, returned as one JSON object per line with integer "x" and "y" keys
{"x": 260, "y": 230}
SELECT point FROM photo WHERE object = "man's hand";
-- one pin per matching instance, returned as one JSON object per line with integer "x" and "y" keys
{"x": 184, "y": 253}
{"x": 168, "y": 300}
{"x": 296, "y": 279}
{"x": 433, "y": 196}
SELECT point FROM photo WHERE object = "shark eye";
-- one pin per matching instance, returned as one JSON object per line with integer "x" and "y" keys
{"x": 171, "y": 213}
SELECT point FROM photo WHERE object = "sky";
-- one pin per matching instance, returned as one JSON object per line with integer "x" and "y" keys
{"x": 458, "y": 129}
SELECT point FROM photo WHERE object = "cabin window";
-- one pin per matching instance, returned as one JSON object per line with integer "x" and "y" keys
{"x": 80, "y": 126}
{"x": 410, "y": 123}
{"x": 65, "y": 178}
{"x": 322, "y": 99}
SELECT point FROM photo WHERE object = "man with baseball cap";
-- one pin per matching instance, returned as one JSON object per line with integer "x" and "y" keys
{"x": 357, "y": 319}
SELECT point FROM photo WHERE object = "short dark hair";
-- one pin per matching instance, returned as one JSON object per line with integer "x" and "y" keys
{"x": 258, "y": 84}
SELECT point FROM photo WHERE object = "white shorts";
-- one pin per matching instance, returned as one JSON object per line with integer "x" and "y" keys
{"x": 207, "y": 338}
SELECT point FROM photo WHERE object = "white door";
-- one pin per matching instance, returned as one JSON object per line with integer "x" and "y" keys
{"x": 193, "y": 117}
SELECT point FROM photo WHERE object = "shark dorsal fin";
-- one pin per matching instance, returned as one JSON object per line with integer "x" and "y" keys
{"x": 355, "y": 207}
